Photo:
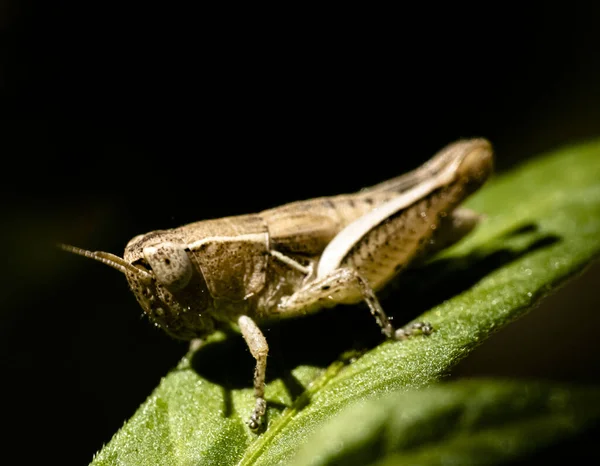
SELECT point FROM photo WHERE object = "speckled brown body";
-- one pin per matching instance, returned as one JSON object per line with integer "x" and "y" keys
{"x": 234, "y": 273}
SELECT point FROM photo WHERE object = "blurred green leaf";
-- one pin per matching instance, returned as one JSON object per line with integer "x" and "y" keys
{"x": 465, "y": 422}
{"x": 542, "y": 227}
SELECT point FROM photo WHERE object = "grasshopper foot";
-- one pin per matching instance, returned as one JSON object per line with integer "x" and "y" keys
{"x": 407, "y": 331}
{"x": 259, "y": 411}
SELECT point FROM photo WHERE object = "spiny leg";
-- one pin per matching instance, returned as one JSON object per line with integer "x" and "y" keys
{"x": 345, "y": 286}
{"x": 306, "y": 270}
{"x": 259, "y": 349}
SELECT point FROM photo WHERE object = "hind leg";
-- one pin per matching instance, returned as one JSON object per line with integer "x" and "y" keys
{"x": 345, "y": 286}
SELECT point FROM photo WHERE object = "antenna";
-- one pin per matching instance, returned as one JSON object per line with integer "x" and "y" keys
{"x": 107, "y": 258}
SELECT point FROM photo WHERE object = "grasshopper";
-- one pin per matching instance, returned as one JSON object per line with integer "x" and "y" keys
{"x": 298, "y": 258}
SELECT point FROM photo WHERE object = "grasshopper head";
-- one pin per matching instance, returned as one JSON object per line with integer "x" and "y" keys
{"x": 170, "y": 290}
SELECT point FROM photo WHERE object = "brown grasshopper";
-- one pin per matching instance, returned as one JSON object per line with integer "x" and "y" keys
{"x": 303, "y": 256}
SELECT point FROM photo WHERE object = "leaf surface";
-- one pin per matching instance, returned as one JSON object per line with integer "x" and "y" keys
{"x": 463, "y": 422}
{"x": 542, "y": 226}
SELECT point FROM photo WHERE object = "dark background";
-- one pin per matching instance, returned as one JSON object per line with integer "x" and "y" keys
{"x": 121, "y": 118}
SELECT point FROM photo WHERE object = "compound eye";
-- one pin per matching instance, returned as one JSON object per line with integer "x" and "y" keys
{"x": 170, "y": 264}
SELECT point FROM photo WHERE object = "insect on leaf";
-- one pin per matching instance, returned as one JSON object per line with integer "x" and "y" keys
{"x": 542, "y": 227}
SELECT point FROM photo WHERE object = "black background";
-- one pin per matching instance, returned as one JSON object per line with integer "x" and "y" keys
{"x": 121, "y": 118}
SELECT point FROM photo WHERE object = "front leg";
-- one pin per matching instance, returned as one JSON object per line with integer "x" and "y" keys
{"x": 345, "y": 286}
{"x": 259, "y": 348}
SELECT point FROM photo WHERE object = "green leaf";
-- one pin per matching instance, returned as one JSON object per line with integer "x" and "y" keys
{"x": 465, "y": 422}
{"x": 542, "y": 227}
